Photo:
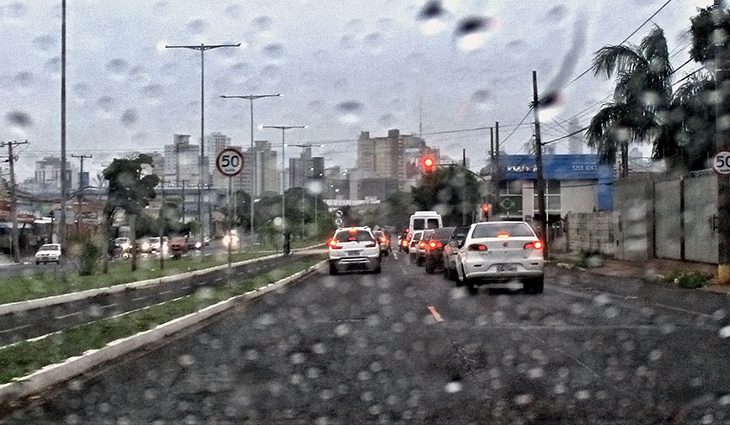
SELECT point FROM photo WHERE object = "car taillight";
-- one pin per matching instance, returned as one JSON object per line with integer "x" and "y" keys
{"x": 333, "y": 244}
{"x": 477, "y": 247}
{"x": 533, "y": 245}
{"x": 405, "y": 243}
{"x": 435, "y": 244}
{"x": 421, "y": 245}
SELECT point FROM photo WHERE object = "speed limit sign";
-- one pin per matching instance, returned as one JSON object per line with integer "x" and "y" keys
{"x": 721, "y": 164}
{"x": 229, "y": 162}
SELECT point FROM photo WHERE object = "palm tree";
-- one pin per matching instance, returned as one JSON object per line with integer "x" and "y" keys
{"x": 643, "y": 91}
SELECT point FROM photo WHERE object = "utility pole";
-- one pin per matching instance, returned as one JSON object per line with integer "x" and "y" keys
{"x": 13, "y": 197}
{"x": 254, "y": 188}
{"x": 283, "y": 129}
{"x": 497, "y": 171}
{"x": 81, "y": 188}
{"x": 62, "y": 219}
{"x": 722, "y": 143}
{"x": 203, "y": 172}
{"x": 538, "y": 161}
{"x": 182, "y": 202}
{"x": 162, "y": 226}
{"x": 463, "y": 188}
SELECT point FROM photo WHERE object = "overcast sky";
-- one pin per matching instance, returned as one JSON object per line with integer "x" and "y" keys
{"x": 341, "y": 66}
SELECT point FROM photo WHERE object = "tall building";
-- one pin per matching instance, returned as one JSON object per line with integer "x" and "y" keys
{"x": 575, "y": 142}
{"x": 395, "y": 156}
{"x": 181, "y": 162}
{"x": 306, "y": 168}
{"x": 214, "y": 144}
{"x": 267, "y": 173}
{"x": 47, "y": 176}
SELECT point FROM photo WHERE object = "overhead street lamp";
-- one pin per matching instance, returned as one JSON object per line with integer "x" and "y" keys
{"x": 202, "y": 48}
{"x": 251, "y": 98}
{"x": 283, "y": 129}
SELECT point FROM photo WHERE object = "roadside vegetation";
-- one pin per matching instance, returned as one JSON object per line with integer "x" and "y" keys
{"x": 28, "y": 356}
{"x": 56, "y": 282}
{"x": 689, "y": 280}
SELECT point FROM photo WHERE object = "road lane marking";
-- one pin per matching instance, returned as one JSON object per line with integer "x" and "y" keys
{"x": 17, "y": 328}
{"x": 435, "y": 313}
{"x": 395, "y": 256}
{"x": 67, "y": 315}
{"x": 164, "y": 292}
{"x": 109, "y": 305}
{"x": 140, "y": 298}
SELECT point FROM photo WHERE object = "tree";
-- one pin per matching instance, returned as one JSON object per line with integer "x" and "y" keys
{"x": 444, "y": 191}
{"x": 127, "y": 190}
{"x": 643, "y": 92}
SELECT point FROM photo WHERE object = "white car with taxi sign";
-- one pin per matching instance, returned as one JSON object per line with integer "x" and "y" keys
{"x": 501, "y": 252}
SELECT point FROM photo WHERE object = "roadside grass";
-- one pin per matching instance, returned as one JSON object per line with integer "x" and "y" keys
{"x": 44, "y": 284}
{"x": 28, "y": 356}
{"x": 689, "y": 280}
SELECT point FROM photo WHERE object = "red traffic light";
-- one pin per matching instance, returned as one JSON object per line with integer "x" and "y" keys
{"x": 428, "y": 163}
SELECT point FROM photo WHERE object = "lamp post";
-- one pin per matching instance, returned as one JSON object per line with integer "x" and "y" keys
{"x": 305, "y": 146}
{"x": 202, "y": 48}
{"x": 283, "y": 129}
{"x": 251, "y": 98}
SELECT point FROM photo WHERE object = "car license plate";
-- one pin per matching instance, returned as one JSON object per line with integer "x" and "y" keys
{"x": 506, "y": 267}
{"x": 353, "y": 253}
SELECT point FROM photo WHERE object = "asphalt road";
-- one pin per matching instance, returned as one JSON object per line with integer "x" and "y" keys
{"x": 407, "y": 347}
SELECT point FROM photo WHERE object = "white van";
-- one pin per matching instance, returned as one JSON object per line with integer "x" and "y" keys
{"x": 425, "y": 220}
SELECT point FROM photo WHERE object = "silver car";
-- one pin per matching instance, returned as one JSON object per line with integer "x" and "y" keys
{"x": 354, "y": 248}
{"x": 500, "y": 252}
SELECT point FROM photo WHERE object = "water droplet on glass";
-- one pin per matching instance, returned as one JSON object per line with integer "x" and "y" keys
{"x": 186, "y": 360}
{"x": 556, "y": 13}
{"x": 725, "y": 332}
{"x": 234, "y": 11}
{"x": 342, "y": 330}
{"x": 523, "y": 399}
{"x": 274, "y": 51}
{"x": 117, "y": 67}
{"x": 583, "y": 395}
{"x": 453, "y": 387}
{"x": 431, "y": 18}
{"x": 45, "y": 43}
{"x": 471, "y": 33}
{"x": 196, "y": 26}
{"x": 262, "y": 22}
{"x": 19, "y": 119}
{"x": 16, "y": 10}
{"x": 129, "y": 117}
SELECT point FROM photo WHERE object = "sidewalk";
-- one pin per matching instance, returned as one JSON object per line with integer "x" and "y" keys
{"x": 651, "y": 270}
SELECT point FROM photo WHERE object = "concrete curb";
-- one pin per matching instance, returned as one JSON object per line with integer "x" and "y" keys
{"x": 19, "y": 306}
{"x": 54, "y": 374}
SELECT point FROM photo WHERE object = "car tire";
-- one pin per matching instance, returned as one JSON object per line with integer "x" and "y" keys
{"x": 333, "y": 269}
{"x": 385, "y": 253}
{"x": 37, "y": 263}
{"x": 430, "y": 269}
{"x": 471, "y": 287}
{"x": 377, "y": 269}
{"x": 535, "y": 286}
{"x": 419, "y": 261}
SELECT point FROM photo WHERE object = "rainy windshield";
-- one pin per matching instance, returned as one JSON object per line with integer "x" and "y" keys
{"x": 260, "y": 209}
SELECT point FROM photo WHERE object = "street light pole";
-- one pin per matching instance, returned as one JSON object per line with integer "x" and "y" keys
{"x": 202, "y": 48}
{"x": 283, "y": 129}
{"x": 251, "y": 98}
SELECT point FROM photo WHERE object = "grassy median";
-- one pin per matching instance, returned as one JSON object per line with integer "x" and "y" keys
{"x": 28, "y": 356}
{"x": 44, "y": 284}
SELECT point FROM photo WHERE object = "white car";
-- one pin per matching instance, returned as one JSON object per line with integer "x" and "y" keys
{"x": 500, "y": 252}
{"x": 353, "y": 248}
{"x": 413, "y": 245}
{"x": 48, "y": 253}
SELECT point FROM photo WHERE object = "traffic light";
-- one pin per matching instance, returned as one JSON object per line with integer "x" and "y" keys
{"x": 428, "y": 163}
{"x": 485, "y": 210}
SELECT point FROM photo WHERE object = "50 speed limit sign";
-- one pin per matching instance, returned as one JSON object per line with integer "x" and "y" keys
{"x": 229, "y": 162}
{"x": 721, "y": 164}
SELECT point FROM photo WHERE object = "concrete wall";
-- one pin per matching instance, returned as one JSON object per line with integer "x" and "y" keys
{"x": 591, "y": 231}
{"x": 634, "y": 220}
{"x": 700, "y": 205}
{"x": 668, "y": 220}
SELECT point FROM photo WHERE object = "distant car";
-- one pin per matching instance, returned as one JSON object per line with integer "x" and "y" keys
{"x": 451, "y": 247}
{"x": 501, "y": 251}
{"x": 178, "y": 245}
{"x": 433, "y": 257}
{"x": 143, "y": 245}
{"x": 48, "y": 253}
{"x": 353, "y": 248}
{"x": 421, "y": 247}
{"x": 230, "y": 239}
{"x": 155, "y": 244}
{"x": 384, "y": 241}
{"x": 122, "y": 244}
{"x": 413, "y": 245}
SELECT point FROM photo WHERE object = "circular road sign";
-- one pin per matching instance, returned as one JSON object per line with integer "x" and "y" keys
{"x": 229, "y": 162}
{"x": 338, "y": 213}
{"x": 721, "y": 163}
{"x": 338, "y": 221}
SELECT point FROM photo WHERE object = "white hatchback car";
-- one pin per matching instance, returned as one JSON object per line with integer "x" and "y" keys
{"x": 354, "y": 248}
{"x": 48, "y": 253}
{"x": 499, "y": 252}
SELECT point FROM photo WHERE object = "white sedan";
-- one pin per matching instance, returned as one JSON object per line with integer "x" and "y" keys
{"x": 48, "y": 253}
{"x": 501, "y": 252}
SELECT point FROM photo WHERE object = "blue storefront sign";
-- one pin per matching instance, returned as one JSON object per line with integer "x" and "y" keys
{"x": 563, "y": 167}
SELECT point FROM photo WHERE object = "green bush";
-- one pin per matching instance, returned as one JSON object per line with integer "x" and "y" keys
{"x": 690, "y": 280}
{"x": 86, "y": 254}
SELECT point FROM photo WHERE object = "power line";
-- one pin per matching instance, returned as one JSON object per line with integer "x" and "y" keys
{"x": 516, "y": 127}
{"x": 625, "y": 39}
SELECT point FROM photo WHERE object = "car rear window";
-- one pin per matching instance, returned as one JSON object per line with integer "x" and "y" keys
{"x": 442, "y": 234}
{"x": 357, "y": 236}
{"x": 493, "y": 230}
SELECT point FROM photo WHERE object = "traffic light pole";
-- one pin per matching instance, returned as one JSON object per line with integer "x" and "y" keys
{"x": 538, "y": 160}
